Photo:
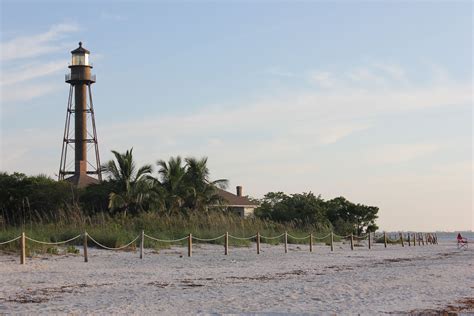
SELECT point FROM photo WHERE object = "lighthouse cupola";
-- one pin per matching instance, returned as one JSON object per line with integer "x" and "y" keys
{"x": 80, "y": 56}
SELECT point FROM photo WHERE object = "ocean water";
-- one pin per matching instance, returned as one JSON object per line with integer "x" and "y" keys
{"x": 451, "y": 236}
{"x": 442, "y": 236}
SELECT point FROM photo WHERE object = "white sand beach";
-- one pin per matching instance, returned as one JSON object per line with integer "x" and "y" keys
{"x": 395, "y": 280}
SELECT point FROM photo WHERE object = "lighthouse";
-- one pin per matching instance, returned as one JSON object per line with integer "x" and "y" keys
{"x": 82, "y": 168}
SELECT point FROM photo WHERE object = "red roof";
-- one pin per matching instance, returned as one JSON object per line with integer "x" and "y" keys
{"x": 235, "y": 200}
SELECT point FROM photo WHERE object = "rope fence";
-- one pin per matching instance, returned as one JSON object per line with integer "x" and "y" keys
{"x": 410, "y": 238}
{"x": 51, "y": 243}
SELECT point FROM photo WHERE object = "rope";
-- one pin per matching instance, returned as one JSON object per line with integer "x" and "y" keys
{"x": 244, "y": 238}
{"x": 301, "y": 238}
{"x": 361, "y": 237}
{"x": 275, "y": 237}
{"x": 208, "y": 239}
{"x": 342, "y": 236}
{"x": 165, "y": 240}
{"x": 110, "y": 248}
{"x": 9, "y": 241}
{"x": 320, "y": 238}
{"x": 52, "y": 243}
{"x": 394, "y": 240}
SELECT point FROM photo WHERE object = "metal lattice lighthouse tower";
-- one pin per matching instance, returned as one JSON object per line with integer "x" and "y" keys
{"x": 78, "y": 138}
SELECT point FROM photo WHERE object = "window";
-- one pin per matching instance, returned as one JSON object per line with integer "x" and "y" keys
{"x": 80, "y": 60}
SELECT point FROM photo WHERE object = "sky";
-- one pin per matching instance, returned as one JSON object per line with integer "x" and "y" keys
{"x": 367, "y": 100}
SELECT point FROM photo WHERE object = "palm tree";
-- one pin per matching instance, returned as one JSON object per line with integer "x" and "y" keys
{"x": 187, "y": 187}
{"x": 132, "y": 184}
{"x": 171, "y": 183}
{"x": 203, "y": 191}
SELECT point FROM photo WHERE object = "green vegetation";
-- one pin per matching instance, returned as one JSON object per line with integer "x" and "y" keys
{"x": 72, "y": 249}
{"x": 339, "y": 214}
{"x": 115, "y": 231}
{"x": 179, "y": 200}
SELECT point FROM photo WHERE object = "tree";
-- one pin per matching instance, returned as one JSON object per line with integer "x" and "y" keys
{"x": 25, "y": 199}
{"x": 132, "y": 185}
{"x": 171, "y": 185}
{"x": 305, "y": 208}
{"x": 187, "y": 187}
{"x": 202, "y": 191}
{"x": 348, "y": 217}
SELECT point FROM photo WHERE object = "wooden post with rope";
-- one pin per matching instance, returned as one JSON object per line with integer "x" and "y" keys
{"x": 86, "y": 258}
{"x": 401, "y": 239}
{"x": 385, "y": 239}
{"x": 142, "y": 242}
{"x": 332, "y": 241}
{"x": 422, "y": 239}
{"x": 226, "y": 243}
{"x": 409, "y": 241}
{"x": 370, "y": 246}
{"x": 286, "y": 242}
{"x": 311, "y": 242}
{"x": 190, "y": 245}
{"x": 23, "y": 248}
{"x": 352, "y": 242}
{"x": 258, "y": 243}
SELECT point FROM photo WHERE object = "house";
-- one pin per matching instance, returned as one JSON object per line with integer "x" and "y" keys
{"x": 237, "y": 202}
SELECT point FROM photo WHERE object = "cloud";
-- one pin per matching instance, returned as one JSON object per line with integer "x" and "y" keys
{"x": 277, "y": 71}
{"x": 15, "y": 85}
{"x": 27, "y": 92}
{"x": 286, "y": 126}
{"x": 36, "y": 45}
{"x": 322, "y": 78}
{"x": 280, "y": 142}
{"x": 29, "y": 72}
{"x": 112, "y": 16}
{"x": 393, "y": 70}
{"x": 333, "y": 134}
{"x": 400, "y": 153}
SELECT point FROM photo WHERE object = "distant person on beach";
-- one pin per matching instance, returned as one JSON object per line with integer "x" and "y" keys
{"x": 461, "y": 239}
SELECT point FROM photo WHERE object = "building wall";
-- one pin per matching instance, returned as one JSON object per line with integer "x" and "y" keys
{"x": 242, "y": 211}
{"x": 249, "y": 211}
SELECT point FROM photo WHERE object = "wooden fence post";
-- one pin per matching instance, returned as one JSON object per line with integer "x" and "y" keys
{"x": 258, "y": 243}
{"x": 385, "y": 239}
{"x": 23, "y": 248}
{"x": 86, "y": 259}
{"x": 286, "y": 242}
{"x": 422, "y": 239}
{"x": 370, "y": 246}
{"x": 418, "y": 237}
{"x": 190, "y": 245}
{"x": 409, "y": 241}
{"x": 311, "y": 242}
{"x": 226, "y": 244}
{"x": 414, "y": 239}
{"x": 352, "y": 242}
{"x": 142, "y": 242}
{"x": 401, "y": 239}
{"x": 436, "y": 239}
{"x": 332, "y": 241}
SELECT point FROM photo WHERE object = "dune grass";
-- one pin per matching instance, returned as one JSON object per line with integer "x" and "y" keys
{"x": 115, "y": 231}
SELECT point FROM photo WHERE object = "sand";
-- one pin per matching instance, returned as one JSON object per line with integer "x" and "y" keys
{"x": 395, "y": 280}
